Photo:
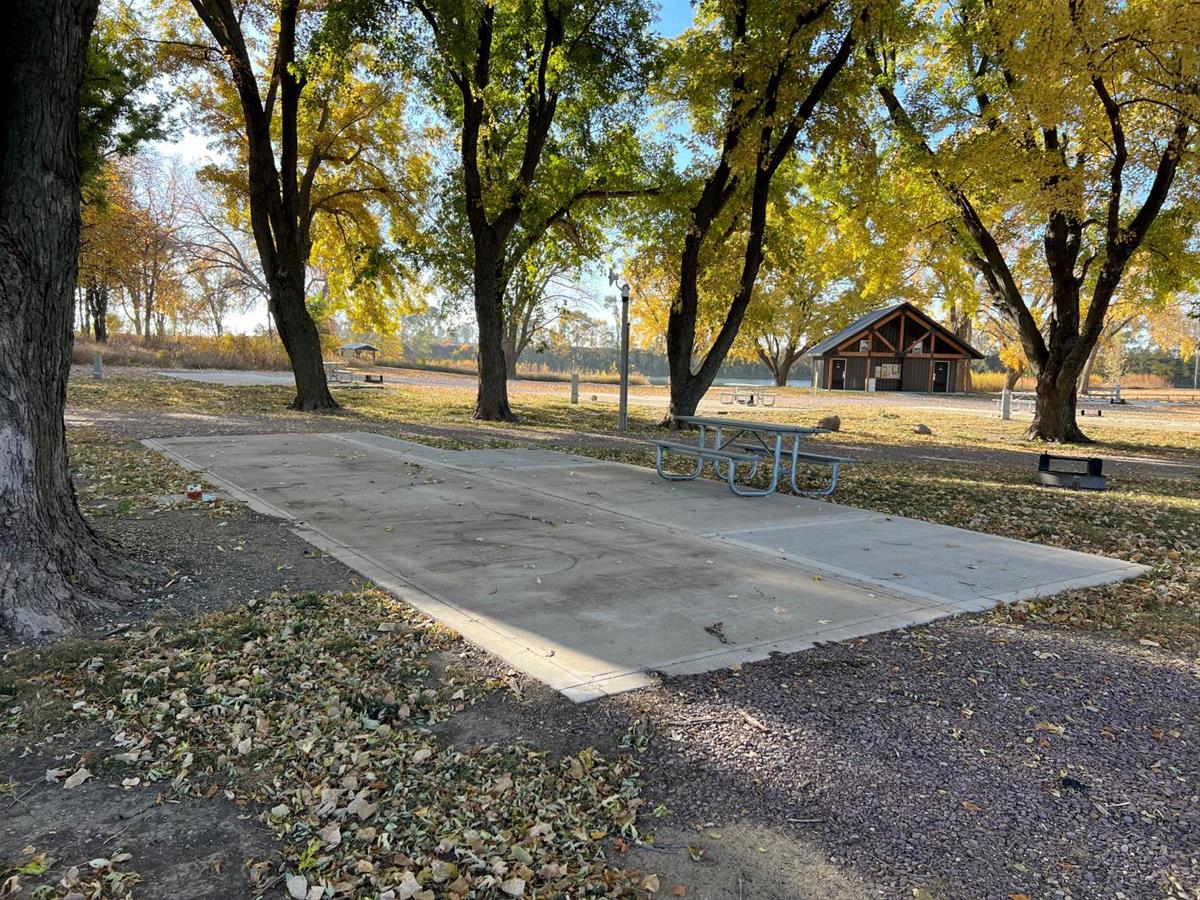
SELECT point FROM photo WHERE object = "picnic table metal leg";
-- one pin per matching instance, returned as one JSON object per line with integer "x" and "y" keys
{"x": 671, "y": 476}
{"x": 823, "y": 492}
{"x": 774, "y": 475}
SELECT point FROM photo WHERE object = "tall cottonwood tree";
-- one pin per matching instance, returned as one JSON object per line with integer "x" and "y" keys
{"x": 753, "y": 73}
{"x": 53, "y": 566}
{"x": 275, "y": 183}
{"x": 825, "y": 263}
{"x": 315, "y": 134}
{"x": 1063, "y": 125}
{"x": 541, "y": 95}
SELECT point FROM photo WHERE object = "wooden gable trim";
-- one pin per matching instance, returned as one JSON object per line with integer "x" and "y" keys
{"x": 886, "y": 342}
{"x": 912, "y": 320}
{"x": 934, "y": 328}
{"x": 853, "y": 341}
{"x": 915, "y": 341}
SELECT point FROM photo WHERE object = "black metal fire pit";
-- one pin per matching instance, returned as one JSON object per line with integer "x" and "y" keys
{"x": 1077, "y": 472}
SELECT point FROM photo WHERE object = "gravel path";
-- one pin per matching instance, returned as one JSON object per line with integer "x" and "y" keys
{"x": 964, "y": 760}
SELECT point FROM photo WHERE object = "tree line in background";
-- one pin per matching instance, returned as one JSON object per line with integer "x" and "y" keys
{"x": 779, "y": 168}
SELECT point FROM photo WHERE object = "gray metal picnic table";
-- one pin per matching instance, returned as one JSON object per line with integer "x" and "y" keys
{"x": 725, "y": 441}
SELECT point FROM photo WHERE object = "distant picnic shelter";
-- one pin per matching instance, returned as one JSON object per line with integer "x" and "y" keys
{"x": 359, "y": 350}
{"x": 897, "y": 348}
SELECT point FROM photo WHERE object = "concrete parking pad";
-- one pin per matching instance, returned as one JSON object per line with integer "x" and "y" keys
{"x": 595, "y": 576}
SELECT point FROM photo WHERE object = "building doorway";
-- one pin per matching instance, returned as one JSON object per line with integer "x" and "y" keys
{"x": 941, "y": 376}
{"x": 837, "y": 375}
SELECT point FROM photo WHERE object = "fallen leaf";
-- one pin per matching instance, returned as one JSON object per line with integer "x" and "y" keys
{"x": 297, "y": 887}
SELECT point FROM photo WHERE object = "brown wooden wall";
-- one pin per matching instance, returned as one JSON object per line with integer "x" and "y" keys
{"x": 916, "y": 374}
{"x": 856, "y": 373}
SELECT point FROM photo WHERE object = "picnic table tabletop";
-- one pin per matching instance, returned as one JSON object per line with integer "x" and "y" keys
{"x": 773, "y": 427}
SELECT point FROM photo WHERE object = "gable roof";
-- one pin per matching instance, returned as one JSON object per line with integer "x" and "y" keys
{"x": 357, "y": 345}
{"x": 834, "y": 341}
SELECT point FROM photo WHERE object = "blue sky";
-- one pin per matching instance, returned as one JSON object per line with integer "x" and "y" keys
{"x": 674, "y": 17}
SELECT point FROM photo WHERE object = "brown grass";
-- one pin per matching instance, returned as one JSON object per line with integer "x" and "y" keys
{"x": 993, "y": 382}
{"x": 230, "y": 351}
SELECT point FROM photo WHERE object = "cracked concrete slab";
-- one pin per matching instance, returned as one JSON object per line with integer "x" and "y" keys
{"x": 595, "y": 576}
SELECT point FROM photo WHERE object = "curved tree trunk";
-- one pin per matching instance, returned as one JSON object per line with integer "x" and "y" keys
{"x": 53, "y": 568}
{"x": 302, "y": 341}
{"x": 97, "y": 300}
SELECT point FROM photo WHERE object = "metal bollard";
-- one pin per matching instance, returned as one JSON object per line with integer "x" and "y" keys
{"x": 575, "y": 387}
{"x": 97, "y": 365}
{"x": 1006, "y": 404}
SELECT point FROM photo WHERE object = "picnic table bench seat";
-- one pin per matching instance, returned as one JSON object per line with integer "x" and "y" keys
{"x": 749, "y": 442}
{"x": 802, "y": 456}
{"x": 714, "y": 455}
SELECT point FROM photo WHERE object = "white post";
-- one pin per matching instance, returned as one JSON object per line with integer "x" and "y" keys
{"x": 97, "y": 365}
{"x": 623, "y": 415}
{"x": 1006, "y": 404}
{"x": 575, "y": 387}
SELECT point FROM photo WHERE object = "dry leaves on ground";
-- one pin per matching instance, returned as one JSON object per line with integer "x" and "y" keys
{"x": 319, "y": 707}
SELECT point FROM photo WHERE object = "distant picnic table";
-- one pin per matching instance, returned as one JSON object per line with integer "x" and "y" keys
{"x": 730, "y": 442}
{"x": 336, "y": 373}
{"x": 1089, "y": 398}
{"x": 748, "y": 395}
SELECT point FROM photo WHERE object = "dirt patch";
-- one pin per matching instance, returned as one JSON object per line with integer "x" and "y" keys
{"x": 541, "y": 716}
{"x": 177, "y": 848}
{"x": 957, "y": 760}
{"x": 740, "y": 862}
{"x": 207, "y": 559}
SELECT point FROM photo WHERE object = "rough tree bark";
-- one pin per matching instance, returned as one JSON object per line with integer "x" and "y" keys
{"x": 53, "y": 569}
{"x": 773, "y": 139}
{"x": 280, "y": 215}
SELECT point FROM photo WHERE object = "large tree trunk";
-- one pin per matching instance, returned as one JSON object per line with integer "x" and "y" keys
{"x": 53, "y": 568}
{"x": 491, "y": 401}
{"x": 300, "y": 338}
{"x": 1054, "y": 419}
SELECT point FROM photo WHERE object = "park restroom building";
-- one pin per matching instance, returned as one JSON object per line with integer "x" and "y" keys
{"x": 897, "y": 348}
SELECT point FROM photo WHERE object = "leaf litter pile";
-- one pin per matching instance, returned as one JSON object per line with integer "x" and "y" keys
{"x": 318, "y": 708}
